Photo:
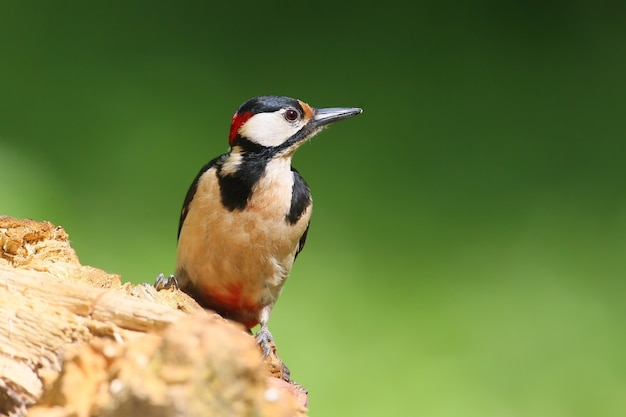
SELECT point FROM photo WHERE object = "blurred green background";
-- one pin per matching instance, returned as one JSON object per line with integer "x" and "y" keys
{"x": 467, "y": 251}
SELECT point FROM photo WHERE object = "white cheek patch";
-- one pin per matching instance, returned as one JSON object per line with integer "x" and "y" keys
{"x": 268, "y": 129}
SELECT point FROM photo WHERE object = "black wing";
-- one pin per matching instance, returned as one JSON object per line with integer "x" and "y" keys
{"x": 300, "y": 198}
{"x": 302, "y": 240}
{"x": 192, "y": 192}
{"x": 300, "y": 201}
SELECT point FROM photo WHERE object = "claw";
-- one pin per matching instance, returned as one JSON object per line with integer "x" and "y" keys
{"x": 286, "y": 373}
{"x": 163, "y": 283}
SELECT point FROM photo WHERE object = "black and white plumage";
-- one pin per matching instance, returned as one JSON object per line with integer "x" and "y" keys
{"x": 246, "y": 215}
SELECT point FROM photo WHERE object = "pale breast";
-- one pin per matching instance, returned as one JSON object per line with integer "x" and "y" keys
{"x": 252, "y": 249}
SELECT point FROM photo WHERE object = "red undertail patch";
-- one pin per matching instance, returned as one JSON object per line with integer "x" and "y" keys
{"x": 230, "y": 301}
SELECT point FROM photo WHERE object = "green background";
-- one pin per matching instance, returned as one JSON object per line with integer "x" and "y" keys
{"x": 466, "y": 253}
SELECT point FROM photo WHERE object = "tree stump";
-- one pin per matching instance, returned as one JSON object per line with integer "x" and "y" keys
{"x": 74, "y": 341}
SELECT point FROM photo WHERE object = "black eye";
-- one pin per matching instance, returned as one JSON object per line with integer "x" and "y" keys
{"x": 292, "y": 115}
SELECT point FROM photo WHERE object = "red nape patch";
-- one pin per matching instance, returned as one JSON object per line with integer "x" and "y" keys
{"x": 238, "y": 120}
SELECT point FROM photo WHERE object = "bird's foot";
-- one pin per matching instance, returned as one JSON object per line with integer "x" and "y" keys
{"x": 163, "y": 283}
{"x": 276, "y": 366}
{"x": 264, "y": 338}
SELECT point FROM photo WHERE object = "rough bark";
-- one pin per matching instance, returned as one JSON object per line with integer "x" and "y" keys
{"x": 74, "y": 341}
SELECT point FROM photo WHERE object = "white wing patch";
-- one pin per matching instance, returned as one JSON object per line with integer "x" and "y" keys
{"x": 232, "y": 163}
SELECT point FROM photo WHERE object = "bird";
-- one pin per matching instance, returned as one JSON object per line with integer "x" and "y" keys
{"x": 246, "y": 214}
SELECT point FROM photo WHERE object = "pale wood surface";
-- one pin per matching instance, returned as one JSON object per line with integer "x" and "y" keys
{"x": 74, "y": 341}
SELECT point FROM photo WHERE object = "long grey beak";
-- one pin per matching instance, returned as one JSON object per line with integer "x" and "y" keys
{"x": 325, "y": 116}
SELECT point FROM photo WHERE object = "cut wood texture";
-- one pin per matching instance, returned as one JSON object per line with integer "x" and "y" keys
{"x": 74, "y": 341}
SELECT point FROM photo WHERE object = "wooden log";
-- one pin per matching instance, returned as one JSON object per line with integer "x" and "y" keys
{"x": 75, "y": 342}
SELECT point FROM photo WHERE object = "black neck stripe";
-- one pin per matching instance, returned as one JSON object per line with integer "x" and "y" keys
{"x": 236, "y": 187}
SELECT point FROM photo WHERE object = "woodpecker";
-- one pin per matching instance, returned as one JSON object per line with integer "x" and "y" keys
{"x": 246, "y": 215}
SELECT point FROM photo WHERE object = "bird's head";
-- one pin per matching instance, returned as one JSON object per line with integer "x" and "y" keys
{"x": 280, "y": 124}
